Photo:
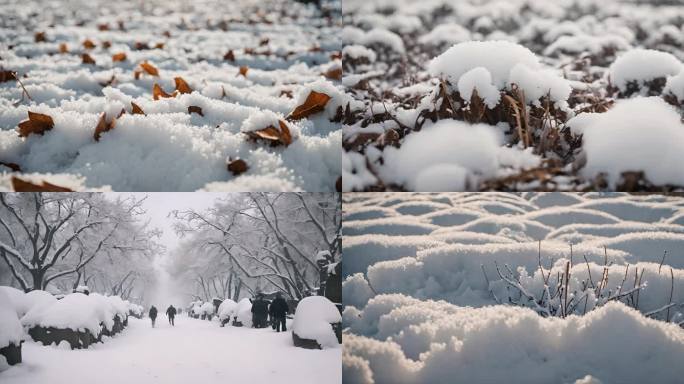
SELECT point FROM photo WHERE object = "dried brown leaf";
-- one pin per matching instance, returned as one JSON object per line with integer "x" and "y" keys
{"x": 87, "y": 59}
{"x": 63, "y": 48}
{"x": 243, "y": 71}
{"x": 88, "y": 44}
{"x": 149, "y": 68}
{"x": 7, "y": 76}
{"x": 103, "y": 126}
{"x": 136, "y": 109}
{"x": 314, "y": 103}
{"x": 195, "y": 109}
{"x": 158, "y": 92}
{"x": 39, "y": 37}
{"x": 230, "y": 56}
{"x": 37, "y": 123}
{"x": 335, "y": 74}
{"x": 237, "y": 167}
{"x": 182, "y": 86}
{"x": 119, "y": 57}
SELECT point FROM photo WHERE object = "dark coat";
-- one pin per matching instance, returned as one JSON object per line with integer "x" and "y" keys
{"x": 171, "y": 311}
{"x": 260, "y": 307}
{"x": 279, "y": 307}
{"x": 153, "y": 313}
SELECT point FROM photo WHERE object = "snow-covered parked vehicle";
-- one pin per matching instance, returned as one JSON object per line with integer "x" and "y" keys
{"x": 317, "y": 324}
{"x": 11, "y": 333}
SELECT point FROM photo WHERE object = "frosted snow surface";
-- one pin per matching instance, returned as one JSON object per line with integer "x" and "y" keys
{"x": 192, "y": 351}
{"x": 11, "y": 331}
{"x": 424, "y": 302}
{"x": 286, "y": 46}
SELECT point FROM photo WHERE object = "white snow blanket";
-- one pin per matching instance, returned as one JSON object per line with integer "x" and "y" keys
{"x": 424, "y": 301}
{"x": 247, "y": 65}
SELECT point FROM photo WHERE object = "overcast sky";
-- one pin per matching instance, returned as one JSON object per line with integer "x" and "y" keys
{"x": 159, "y": 204}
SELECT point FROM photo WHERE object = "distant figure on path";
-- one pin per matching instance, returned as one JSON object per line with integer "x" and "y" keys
{"x": 259, "y": 311}
{"x": 153, "y": 314}
{"x": 171, "y": 314}
{"x": 279, "y": 311}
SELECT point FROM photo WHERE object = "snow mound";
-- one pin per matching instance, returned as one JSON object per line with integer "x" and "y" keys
{"x": 427, "y": 341}
{"x": 640, "y": 134}
{"x": 444, "y": 155}
{"x": 641, "y": 66}
{"x": 226, "y": 310}
{"x": 80, "y": 312}
{"x": 11, "y": 331}
{"x": 244, "y": 312}
{"x": 497, "y": 65}
{"x": 313, "y": 319}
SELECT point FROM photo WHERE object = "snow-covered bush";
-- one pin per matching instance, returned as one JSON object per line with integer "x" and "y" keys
{"x": 226, "y": 311}
{"x": 314, "y": 323}
{"x": 243, "y": 313}
{"x": 11, "y": 333}
{"x": 77, "y": 318}
{"x": 207, "y": 310}
{"x": 643, "y": 71}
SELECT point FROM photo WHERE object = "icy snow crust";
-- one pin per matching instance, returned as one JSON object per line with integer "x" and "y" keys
{"x": 418, "y": 307}
{"x": 170, "y": 149}
{"x": 573, "y": 90}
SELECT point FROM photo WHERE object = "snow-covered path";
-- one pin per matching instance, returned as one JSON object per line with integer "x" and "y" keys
{"x": 194, "y": 351}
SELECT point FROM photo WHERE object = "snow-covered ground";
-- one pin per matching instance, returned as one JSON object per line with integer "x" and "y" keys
{"x": 248, "y": 65}
{"x": 194, "y": 351}
{"x": 426, "y": 297}
{"x": 513, "y": 95}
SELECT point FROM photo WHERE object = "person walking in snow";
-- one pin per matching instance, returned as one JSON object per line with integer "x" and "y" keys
{"x": 271, "y": 315}
{"x": 153, "y": 314}
{"x": 171, "y": 314}
{"x": 279, "y": 310}
{"x": 259, "y": 311}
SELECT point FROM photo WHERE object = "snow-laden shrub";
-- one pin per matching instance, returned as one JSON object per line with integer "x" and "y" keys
{"x": 643, "y": 71}
{"x": 314, "y": 319}
{"x": 637, "y": 135}
{"x": 11, "y": 332}
{"x": 226, "y": 311}
{"x": 499, "y": 65}
{"x": 244, "y": 313}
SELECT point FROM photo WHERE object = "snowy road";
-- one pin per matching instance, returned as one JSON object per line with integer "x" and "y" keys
{"x": 194, "y": 351}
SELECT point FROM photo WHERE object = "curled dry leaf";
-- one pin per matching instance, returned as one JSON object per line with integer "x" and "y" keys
{"x": 37, "y": 123}
{"x": 119, "y": 57}
{"x": 7, "y": 76}
{"x": 103, "y": 126}
{"x": 63, "y": 48}
{"x": 158, "y": 92}
{"x": 263, "y": 41}
{"x": 230, "y": 56}
{"x": 88, "y": 44}
{"x": 159, "y": 46}
{"x": 106, "y": 44}
{"x": 195, "y": 109}
{"x": 103, "y": 27}
{"x": 182, "y": 86}
{"x": 13, "y": 166}
{"x": 87, "y": 59}
{"x": 39, "y": 37}
{"x": 139, "y": 46}
{"x": 243, "y": 71}
{"x": 334, "y": 74}
{"x": 136, "y": 109}
{"x": 273, "y": 135}
{"x": 314, "y": 103}
{"x": 149, "y": 68}
{"x": 19, "y": 185}
{"x": 237, "y": 167}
